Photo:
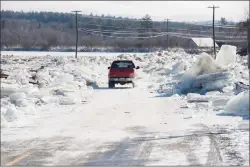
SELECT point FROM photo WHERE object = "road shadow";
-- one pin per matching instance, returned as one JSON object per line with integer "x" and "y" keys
{"x": 162, "y": 95}
{"x": 107, "y": 88}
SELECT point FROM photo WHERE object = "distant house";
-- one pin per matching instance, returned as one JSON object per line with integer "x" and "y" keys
{"x": 204, "y": 43}
{"x": 193, "y": 43}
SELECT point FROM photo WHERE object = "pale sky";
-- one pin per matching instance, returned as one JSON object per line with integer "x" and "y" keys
{"x": 158, "y": 10}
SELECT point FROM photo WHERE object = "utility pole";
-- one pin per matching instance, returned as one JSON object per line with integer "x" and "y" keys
{"x": 76, "y": 13}
{"x": 167, "y": 32}
{"x": 248, "y": 36}
{"x": 214, "y": 7}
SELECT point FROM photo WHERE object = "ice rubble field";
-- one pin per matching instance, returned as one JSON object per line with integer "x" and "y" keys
{"x": 198, "y": 88}
{"x": 67, "y": 81}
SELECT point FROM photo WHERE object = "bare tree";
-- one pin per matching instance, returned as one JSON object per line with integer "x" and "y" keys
{"x": 223, "y": 21}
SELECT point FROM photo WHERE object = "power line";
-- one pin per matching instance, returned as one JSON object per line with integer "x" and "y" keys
{"x": 178, "y": 35}
{"x": 101, "y": 34}
{"x": 112, "y": 31}
{"x": 172, "y": 29}
{"x": 141, "y": 20}
{"x": 156, "y": 33}
{"x": 185, "y": 36}
{"x": 107, "y": 18}
{"x": 76, "y": 13}
{"x": 159, "y": 33}
{"x": 214, "y": 7}
{"x": 98, "y": 25}
{"x": 132, "y": 37}
{"x": 218, "y": 25}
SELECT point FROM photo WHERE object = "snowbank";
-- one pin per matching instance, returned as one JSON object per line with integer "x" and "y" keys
{"x": 238, "y": 105}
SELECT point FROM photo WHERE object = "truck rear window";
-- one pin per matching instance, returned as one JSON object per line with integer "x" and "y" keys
{"x": 123, "y": 64}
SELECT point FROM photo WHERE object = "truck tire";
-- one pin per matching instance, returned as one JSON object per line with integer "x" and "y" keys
{"x": 133, "y": 84}
{"x": 111, "y": 84}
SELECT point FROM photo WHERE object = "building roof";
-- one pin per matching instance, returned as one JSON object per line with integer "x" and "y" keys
{"x": 204, "y": 42}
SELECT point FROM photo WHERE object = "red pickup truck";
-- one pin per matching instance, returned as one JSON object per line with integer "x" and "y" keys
{"x": 122, "y": 72}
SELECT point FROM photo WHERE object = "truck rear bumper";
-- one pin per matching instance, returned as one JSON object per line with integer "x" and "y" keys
{"x": 121, "y": 79}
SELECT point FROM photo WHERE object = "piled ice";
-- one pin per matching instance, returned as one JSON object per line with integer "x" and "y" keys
{"x": 61, "y": 81}
{"x": 200, "y": 74}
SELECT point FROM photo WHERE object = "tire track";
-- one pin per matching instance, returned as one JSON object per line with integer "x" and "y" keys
{"x": 187, "y": 147}
{"x": 109, "y": 157}
{"x": 214, "y": 156}
{"x": 145, "y": 153}
{"x": 127, "y": 152}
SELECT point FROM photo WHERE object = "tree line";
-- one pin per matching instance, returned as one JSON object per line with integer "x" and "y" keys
{"x": 45, "y": 30}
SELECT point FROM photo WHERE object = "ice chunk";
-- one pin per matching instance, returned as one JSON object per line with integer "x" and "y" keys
{"x": 226, "y": 55}
{"x": 43, "y": 77}
{"x": 179, "y": 67}
{"x": 238, "y": 105}
{"x": 194, "y": 97}
{"x": 10, "y": 114}
{"x": 240, "y": 87}
{"x": 18, "y": 99}
{"x": 6, "y": 91}
{"x": 22, "y": 76}
{"x": 213, "y": 81}
{"x": 66, "y": 101}
{"x": 205, "y": 64}
{"x": 67, "y": 78}
{"x": 16, "y": 96}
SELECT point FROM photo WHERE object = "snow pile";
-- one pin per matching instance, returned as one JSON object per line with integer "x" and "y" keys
{"x": 238, "y": 105}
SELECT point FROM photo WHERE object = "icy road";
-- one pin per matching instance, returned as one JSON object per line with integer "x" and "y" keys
{"x": 121, "y": 126}
{"x": 124, "y": 127}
